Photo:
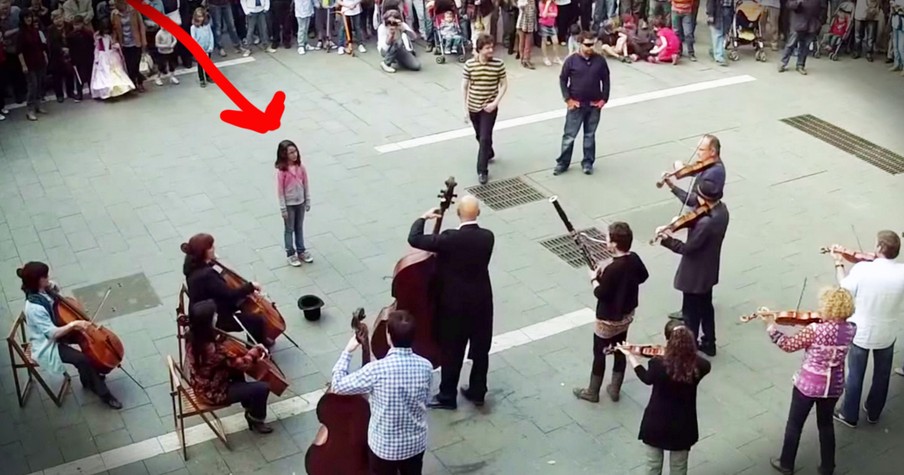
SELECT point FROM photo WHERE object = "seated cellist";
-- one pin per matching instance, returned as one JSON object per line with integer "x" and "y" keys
{"x": 204, "y": 282}
{"x": 48, "y": 342}
{"x": 218, "y": 378}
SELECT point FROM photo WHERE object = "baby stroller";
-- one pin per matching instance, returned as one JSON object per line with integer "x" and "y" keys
{"x": 841, "y": 26}
{"x": 745, "y": 29}
{"x": 437, "y": 10}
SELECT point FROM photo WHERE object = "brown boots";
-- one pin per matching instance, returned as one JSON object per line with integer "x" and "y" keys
{"x": 591, "y": 393}
{"x": 614, "y": 387}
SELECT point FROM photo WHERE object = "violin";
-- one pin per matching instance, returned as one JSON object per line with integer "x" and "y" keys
{"x": 786, "y": 317}
{"x": 102, "y": 347}
{"x": 263, "y": 370}
{"x": 683, "y": 221}
{"x": 412, "y": 288}
{"x": 340, "y": 446}
{"x": 685, "y": 170}
{"x": 255, "y": 303}
{"x": 648, "y": 350}
{"x": 849, "y": 255}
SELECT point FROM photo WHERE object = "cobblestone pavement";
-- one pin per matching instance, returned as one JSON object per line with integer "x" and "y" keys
{"x": 104, "y": 191}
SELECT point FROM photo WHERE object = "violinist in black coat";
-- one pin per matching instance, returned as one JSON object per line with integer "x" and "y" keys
{"x": 464, "y": 307}
{"x": 205, "y": 283}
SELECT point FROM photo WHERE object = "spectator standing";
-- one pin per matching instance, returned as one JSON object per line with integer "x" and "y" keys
{"x": 166, "y": 57}
{"x": 548, "y": 12}
{"x": 73, "y": 8}
{"x": 484, "y": 85}
{"x": 203, "y": 34}
{"x": 12, "y": 67}
{"x": 684, "y": 23}
{"x": 769, "y": 22}
{"x": 565, "y": 19}
{"x": 805, "y": 24}
{"x": 304, "y": 11}
{"x": 527, "y": 25}
{"x": 33, "y": 58}
{"x": 720, "y": 17}
{"x": 897, "y": 35}
{"x": 60, "y": 66}
{"x": 223, "y": 22}
{"x": 256, "y": 23}
{"x": 350, "y": 27}
{"x": 866, "y": 15}
{"x": 281, "y": 23}
{"x": 129, "y": 32}
{"x": 81, "y": 52}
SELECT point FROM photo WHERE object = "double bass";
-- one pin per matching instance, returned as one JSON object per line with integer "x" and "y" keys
{"x": 255, "y": 303}
{"x": 102, "y": 347}
{"x": 412, "y": 288}
{"x": 340, "y": 446}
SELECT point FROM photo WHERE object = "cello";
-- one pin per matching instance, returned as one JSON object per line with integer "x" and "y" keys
{"x": 255, "y": 303}
{"x": 340, "y": 446}
{"x": 412, "y": 288}
{"x": 102, "y": 347}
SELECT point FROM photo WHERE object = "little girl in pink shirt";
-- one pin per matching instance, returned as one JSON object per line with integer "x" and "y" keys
{"x": 294, "y": 200}
{"x": 668, "y": 47}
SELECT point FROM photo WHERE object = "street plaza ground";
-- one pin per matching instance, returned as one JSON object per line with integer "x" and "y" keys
{"x": 104, "y": 191}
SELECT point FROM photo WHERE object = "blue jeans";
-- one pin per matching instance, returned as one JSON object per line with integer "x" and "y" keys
{"x": 294, "y": 224}
{"x": 898, "y": 47}
{"x": 719, "y": 29}
{"x": 257, "y": 24}
{"x": 684, "y": 26}
{"x": 304, "y": 24}
{"x": 853, "y": 385}
{"x": 585, "y": 116}
{"x": 354, "y": 33}
{"x": 222, "y": 18}
{"x": 799, "y": 40}
{"x": 602, "y": 10}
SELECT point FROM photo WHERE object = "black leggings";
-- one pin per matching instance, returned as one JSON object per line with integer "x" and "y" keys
{"x": 599, "y": 354}
{"x": 87, "y": 374}
{"x": 253, "y": 322}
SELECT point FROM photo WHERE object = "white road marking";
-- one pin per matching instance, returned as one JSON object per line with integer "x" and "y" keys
{"x": 180, "y": 72}
{"x": 559, "y": 113}
{"x": 286, "y": 408}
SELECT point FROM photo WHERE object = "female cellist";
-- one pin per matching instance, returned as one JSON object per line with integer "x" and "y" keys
{"x": 218, "y": 378}
{"x": 204, "y": 282}
{"x": 49, "y": 345}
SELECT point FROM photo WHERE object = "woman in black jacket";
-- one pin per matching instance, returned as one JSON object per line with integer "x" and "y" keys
{"x": 670, "y": 419}
{"x": 204, "y": 282}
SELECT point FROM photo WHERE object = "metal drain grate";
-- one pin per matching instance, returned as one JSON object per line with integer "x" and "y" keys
{"x": 129, "y": 294}
{"x": 859, "y": 147}
{"x": 504, "y": 194}
{"x": 565, "y": 248}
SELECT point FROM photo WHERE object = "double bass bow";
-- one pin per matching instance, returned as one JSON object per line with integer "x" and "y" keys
{"x": 340, "y": 446}
{"x": 256, "y": 303}
{"x": 102, "y": 347}
{"x": 588, "y": 257}
{"x": 412, "y": 288}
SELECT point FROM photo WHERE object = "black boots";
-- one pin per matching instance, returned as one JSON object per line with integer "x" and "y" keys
{"x": 257, "y": 425}
{"x": 592, "y": 392}
{"x": 614, "y": 387}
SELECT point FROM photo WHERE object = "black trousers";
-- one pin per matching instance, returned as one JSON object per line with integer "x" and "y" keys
{"x": 64, "y": 84}
{"x": 409, "y": 466}
{"x": 252, "y": 321}
{"x": 203, "y": 76}
{"x": 699, "y": 314}
{"x": 452, "y": 357}
{"x": 87, "y": 374}
{"x": 280, "y": 22}
{"x": 82, "y": 79}
{"x": 568, "y": 15}
{"x": 599, "y": 354}
{"x": 132, "y": 55}
{"x": 12, "y": 72}
{"x": 585, "y": 11}
{"x": 797, "y": 416}
{"x": 252, "y": 395}
{"x": 483, "y": 123}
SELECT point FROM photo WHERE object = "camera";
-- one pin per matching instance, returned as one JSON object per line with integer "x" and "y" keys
{"x": 393, "y": 22}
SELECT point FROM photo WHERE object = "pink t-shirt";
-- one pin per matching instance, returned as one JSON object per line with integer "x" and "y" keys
{"x": 672, "y": 44}
{"x": 550, "y": 11}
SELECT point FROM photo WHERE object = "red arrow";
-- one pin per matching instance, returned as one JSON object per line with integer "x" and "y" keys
{"x": 248, "y": 116}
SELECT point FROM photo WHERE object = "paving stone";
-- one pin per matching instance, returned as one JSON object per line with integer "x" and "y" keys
{"x": 164, "y": 463}
{"x": 112, "y": 440}
{"x": 143, "y": 422}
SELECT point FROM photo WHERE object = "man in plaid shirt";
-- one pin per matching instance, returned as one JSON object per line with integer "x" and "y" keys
{"x": 399, "y": 386}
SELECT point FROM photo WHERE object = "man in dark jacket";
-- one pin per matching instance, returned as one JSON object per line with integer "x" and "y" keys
{"x": 698, "y": 271}
{"x": 585, "y": 89}
{"x": 719, "y": 17}
{"x": 464, "y": 307}
{"x": 805, "y": 24}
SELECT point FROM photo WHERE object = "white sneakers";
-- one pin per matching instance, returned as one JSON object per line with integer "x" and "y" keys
{"x": 387, "y": 68}
{"x": 158, "y": 80}
{"x": 340, "y": 51}
{"x": 301, "y": 50}
{"x": 361, "y": 48}
{"x": 172, "y": 77}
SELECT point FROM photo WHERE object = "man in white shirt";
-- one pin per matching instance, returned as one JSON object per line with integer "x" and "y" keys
{"x": 878, "y": 290}
{"x": 392, "y": 45}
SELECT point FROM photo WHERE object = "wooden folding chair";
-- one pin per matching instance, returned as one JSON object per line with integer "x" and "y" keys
{"x": 186, "y": 404}
{"x": 181, "y": 322}
{"x": 20, "y": 358}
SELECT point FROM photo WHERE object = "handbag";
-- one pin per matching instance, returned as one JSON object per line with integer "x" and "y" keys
{"x": 146, "y": 66}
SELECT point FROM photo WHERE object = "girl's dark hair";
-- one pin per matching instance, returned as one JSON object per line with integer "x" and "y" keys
{"x": 657, "y": 22}
{"x": 105, "y": 27}
{"x": 620, "y": 233}
{"x": 575, "y": 29}
{"x": 31, "y": 274}
{"x": 27, "y": 14}
{"x": 681, "y": 356}
{"x": 200, "y": 324}
{"x": 282, "y": 154}
{"x": 196, "y": 252}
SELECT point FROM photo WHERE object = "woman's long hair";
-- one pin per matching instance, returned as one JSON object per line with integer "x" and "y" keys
{"x": 681, "y": 356}
{"x": 31, "y": 274}
{"x": 200, "y": 324}
{"x": 282, "y": 155}
{"x": 196, "y": 252}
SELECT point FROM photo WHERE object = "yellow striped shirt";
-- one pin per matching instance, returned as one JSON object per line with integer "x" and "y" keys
{"x": 483, "y": 81}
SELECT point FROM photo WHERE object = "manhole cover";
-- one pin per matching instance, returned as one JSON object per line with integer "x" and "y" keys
{"x": 859, "y": 147}
{"x": 565, "y": 248}
{"x": 128, "y": 294}
{"x": 504, "y": 194}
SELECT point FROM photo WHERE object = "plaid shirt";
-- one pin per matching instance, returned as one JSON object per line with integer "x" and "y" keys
{"x": 399, "y": 386}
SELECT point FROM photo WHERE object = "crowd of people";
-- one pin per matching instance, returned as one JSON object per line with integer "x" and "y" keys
{"x": 109, "y": 48}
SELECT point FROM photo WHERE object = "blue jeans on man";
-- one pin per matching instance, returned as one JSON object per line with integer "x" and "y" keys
{"x": 721, "y": 28}
{"x": 588, "y": 117}
{"x": 684, "y": 25}
{"x": 223, "y": 22}
{"x": 799, "y": 41}
{"x": 853, "y": 385}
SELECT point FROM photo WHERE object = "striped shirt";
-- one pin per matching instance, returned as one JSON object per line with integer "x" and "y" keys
{"x": 483, "y": 81}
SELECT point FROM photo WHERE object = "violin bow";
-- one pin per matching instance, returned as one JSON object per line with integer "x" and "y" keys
{"x": 693, "y": 181}
{"x": 801, "y": 297}
{"x": 857, "y": 238}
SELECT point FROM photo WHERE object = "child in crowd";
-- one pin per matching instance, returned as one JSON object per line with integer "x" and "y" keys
{"x": 166, "y": 57}
{"x": 574, "y": 42}
{"x": 294, "y": 200}
{"x": 350, "y": 26}
{"x": 304, "y": 11}
{"x": 451, "y": 34}
{"x": 549, "y": 11}
{"x": 109, "y": 78}
{"x": 60, "y": 66}
{"x": 81, "y": 54}
{"x": 41, "y": 12}
{"x": 837, "y": 30}
{"x": 527, "y": 25}
{"x": 668, "y": 46}
{"x": 201, "y": 32}
{"x": 323, "y": 22}
{"x": 613, "y": 40}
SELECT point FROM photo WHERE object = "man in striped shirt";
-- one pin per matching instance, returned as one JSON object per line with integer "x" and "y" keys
{"x": 483, "y": 86}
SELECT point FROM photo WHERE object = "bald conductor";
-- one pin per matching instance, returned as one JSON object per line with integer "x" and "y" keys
{"x": 464, "y": 307}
